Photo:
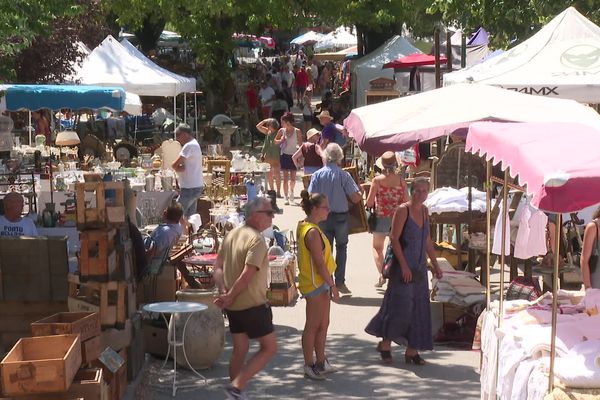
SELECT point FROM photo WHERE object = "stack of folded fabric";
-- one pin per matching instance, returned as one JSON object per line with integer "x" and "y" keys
{"x": 457, "y": 287}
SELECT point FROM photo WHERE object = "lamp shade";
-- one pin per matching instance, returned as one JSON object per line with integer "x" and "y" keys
{"x": 67, "y": 138}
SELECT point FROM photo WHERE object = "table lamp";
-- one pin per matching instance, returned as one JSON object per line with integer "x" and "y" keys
{"x": 67, "y": 138}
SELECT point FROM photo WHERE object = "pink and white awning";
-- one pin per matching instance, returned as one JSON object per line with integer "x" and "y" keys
{"x": 558, "y": 162}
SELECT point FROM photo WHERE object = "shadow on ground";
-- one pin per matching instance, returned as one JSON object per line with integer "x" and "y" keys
{"x": 361, "y": 375}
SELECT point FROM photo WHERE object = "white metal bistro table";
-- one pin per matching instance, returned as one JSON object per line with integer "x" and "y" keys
{"x": 176, "y": 307}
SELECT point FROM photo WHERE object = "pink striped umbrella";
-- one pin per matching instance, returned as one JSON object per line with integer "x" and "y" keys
{"x": 558, "y": 162}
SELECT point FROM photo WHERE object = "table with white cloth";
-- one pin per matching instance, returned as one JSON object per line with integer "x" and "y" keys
{"x": 516, "y": 356}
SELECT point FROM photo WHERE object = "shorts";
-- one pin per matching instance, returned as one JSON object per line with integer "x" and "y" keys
{"x": 321, "y": 289}
{"x": 287, "y": 163}
{"x": 307, "y": 118}
{"x": 273, "y": 162}
{"x": 255, "y": 322}
{"x": 383, "y": 225}
{"x": 300, "y": 89}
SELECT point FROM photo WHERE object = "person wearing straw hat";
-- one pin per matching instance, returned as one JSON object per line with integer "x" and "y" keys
{"x": 309, "y": 155}
{"x": 388, "y": 191}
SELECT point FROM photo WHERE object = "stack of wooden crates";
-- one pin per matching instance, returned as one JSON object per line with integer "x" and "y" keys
{"x": 106, "y": 282}
{"x": 63, "y": 360}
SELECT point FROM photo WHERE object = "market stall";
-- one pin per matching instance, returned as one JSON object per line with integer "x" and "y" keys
{"x": 557, "y": 334}
{"x": 400, "y": 123}
{"x": 558, "y": 62}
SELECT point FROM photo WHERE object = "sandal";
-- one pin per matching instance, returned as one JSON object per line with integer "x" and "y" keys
{"x": 386, "y": 355}
{"x": 416, "y": 359}
{"x": 380, "y": 282}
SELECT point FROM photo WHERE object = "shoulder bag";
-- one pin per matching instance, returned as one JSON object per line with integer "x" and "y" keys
{"x": 595, "y": 256}
{"x": 390, "y": 262}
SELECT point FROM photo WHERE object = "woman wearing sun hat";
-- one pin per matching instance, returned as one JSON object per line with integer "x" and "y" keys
{"x": 387, "y": 192}
{"x": 308, "y": 156}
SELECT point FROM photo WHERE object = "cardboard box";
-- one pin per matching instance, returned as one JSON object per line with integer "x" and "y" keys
{"x": 155, "y": 338}
{"x": 162, "y": 287}
{"x": 42, "y": 364}
{"x": 86, "y": 324}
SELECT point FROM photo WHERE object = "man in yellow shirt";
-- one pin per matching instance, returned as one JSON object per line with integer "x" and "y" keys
{"x": 240, "y": 273}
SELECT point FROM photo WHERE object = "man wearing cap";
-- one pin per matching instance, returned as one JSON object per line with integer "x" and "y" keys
{"x": 339, "y": 187}
{"x": 189, "y": 170}
{"x": 309, "y": 155}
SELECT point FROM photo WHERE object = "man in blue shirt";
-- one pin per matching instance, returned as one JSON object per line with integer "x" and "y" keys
{"x": 159, "y": 243}
{"x": 339, "y": 187}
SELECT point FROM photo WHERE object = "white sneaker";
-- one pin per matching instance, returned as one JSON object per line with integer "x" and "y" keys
{"x": 292, "y": 199}
{"x": 286, "y": 202}
{"x": 311, "y": 372}
{"x": 325, "y": 368}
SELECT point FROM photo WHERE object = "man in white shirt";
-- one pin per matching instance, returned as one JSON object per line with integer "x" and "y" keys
{"x": 189, "y": 170}
{"x": 12, "y": 223}
{"x": 266, "y": 94}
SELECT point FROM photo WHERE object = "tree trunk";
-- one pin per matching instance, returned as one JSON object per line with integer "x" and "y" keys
{"x": 149, "y": 33}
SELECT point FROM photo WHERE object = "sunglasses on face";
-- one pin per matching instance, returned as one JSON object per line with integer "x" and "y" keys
{"x": 270, "y": 213}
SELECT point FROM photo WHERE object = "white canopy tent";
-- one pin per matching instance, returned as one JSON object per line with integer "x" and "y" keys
{"x": 308, "y": 37}
{"x": 133, "y": 103}
{"x": 561, "y": 60}
{"x": 111, "y": 64}
{"x": 370, "y": 66}
{"x": 336, "y": 40}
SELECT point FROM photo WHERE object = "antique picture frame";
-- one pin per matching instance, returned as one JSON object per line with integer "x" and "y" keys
{"x": 357, "y": 217}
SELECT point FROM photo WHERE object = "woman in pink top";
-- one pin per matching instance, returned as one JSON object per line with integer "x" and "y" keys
{"x": 387, "y": 192}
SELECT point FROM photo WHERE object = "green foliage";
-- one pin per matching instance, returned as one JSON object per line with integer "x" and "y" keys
{"x": 508, "y": 20}
{"x": 21, "y": 21}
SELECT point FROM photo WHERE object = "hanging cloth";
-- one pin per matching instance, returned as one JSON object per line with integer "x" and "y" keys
{"x": 522, "y": 241}
{"x": 496, "y": 248}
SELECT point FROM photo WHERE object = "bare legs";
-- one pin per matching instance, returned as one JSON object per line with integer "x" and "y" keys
{"x": 274, "y": 178}
{"x": 378, "y": 243}
{"x": 315, "y": 328}
{"x": 241, "y": 371}
{"x": 289, "y": 183}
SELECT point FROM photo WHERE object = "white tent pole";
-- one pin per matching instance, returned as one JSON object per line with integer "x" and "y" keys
{"x": 185, "y": 108}
{"x": 195, "y": 114}
{"x": 174, "y": 114}
{"x": 29, "y": 127}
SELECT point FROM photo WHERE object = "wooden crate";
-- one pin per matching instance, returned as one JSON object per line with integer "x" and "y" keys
{"x": 106, "y": 298}
{"x": 88, "y": 384}
{"x": 97, "y": 257}
{"x": 122, "y": 381}
{"x": 135, "y": 351}
{"x": 282, "y": 297}
{"x": 104, "y": 214}
{"x": 86, "y": 324}
{"x": 125, "y": 260}
{"x": 17, "y": 316}
{"x": 43, "y": 364}
{"x": 114, "y": 368}
{"x": 91, "y": 349}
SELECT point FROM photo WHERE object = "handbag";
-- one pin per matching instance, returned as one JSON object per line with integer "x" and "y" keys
{"x": 389, "y": 262}
{"x": 593, "y": 261}
{"x": 371, "y": 219}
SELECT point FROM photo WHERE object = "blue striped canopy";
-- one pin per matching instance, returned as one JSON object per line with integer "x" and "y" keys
{"x": 56, "y": 97}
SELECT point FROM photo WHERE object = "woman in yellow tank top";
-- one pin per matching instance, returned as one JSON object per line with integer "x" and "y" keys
{"x": 316, "y": 265}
